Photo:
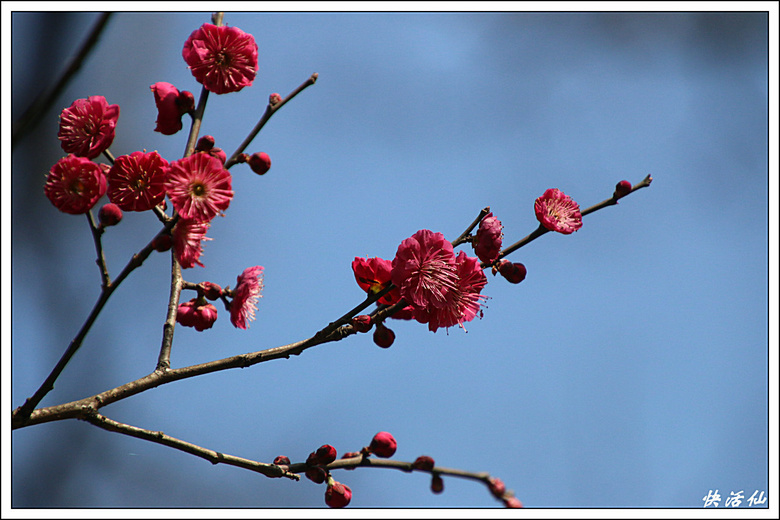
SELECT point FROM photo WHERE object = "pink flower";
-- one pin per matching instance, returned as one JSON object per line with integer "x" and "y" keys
{"x": 373, "y": 275}
{"x": 171, "y": 106}
{"x": 487, "y": 243}
{"x": 223, "y": 59}
{"x": 87, "y": 126}
{"x": 424, "y": 269}
{"x": 249, "y": 284}
{"x": 196, "y": 313}
{"x": 136, "y": 182}
{"x": 337, "y": 495}
{"x": 187, "y": 237}
{"x": 383, "y": 445}
{"x": 463, "y": 303}
{"x": 75, "y": 184}
{"x": 557, "y": 212}
{"x": 199, "y": 187}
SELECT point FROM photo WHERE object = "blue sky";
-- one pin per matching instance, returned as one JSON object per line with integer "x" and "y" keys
{"x": 629, "y": 369}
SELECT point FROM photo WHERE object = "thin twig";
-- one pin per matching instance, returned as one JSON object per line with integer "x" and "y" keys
{"x": 465, "y": 236}
{"x": 46, "y": 99}
{"x": 269, "y": 111}
{"x": 158, "y": 437}
{"x": 97, "y": 232}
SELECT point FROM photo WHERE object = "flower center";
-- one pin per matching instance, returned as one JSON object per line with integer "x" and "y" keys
{"x": 222, "y": 59}
{"x": 198, "y": 189}
{"x": 77, "y": 187}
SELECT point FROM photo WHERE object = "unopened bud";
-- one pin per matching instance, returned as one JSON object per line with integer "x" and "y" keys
{"x": 383, "y": 445}
{"x": 185, "y": 102}
{"x": 162, "y": 243}
{"x": 424, "y": 463}
{"x": 205, "y": 143}
{"x": 219, "y": 153}
{"x": 513, "y": 503}
{"x": 513, "y": 272}
{"x": 259, "y": 162}
{"x": 211, "y": 290}
{"x": 316, "y": 474}
{"x": 337, "y": 495}
{"x": 325, "y": 454}
{"x": 282, "y": 460}
{"x": 622, "y": 189}
{"x": 383, "y": 336}
{"x": 497, "y": 487}
{"x": 274, "y": 99}
{"x": 437, "y": 484}
{"x": 362, "y": 323}
{"x": 109, "y": 215}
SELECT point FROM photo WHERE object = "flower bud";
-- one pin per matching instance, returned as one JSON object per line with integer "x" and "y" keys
{"x": 497, "y": 487}
{"x": 622, "y": 189}
{"x": 274, "y": 99}
{"x": 337, "y": 495}
{"x": 513, "y": 503}
{"x": 259, "y": 162}
{"x": 488, "y": 239}
{"x": 383, "y": 445}
{"x": 325, "y": 454}
{"x": 316, "y": 474}
{"x": 383, "y": 336}
{"x": 513, "y": 272}
{"x": 211, "y": 290}
{"x": 162, "y": 243}
{"x": 109, "y": 215}
{"x": 281, "y": 459}
{"x": 437, "y": 484}
{"x": 185, "y": 102}
{"x": 362, "y": 323}
{"x": 219, "y": 153}
{"x": 424, "y": 463}
{"x": 205, "y": 143}
{"x": 196, "y": 313}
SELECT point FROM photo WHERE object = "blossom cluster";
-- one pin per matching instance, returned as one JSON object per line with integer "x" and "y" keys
{"x": 198, "y": 186}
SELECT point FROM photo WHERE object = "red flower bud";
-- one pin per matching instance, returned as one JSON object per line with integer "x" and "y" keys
{"x": 383, "y": 445}
{"x": 622, "y": 189}
{"x": 325, "y": 454}
{"x": 497, "y": 487}
{"x": 259, "y": 162}
{"x": 316, "y": 474}
{"x": 424, "y": 463}
{"x": 281, "y": 459}
{"x": 274, "y": 99}
{"x": 383, "y": 336}
{"x": 205, "y": 143}
{"x": 109, "y": 215}
{"x": 437, "y": 484}
{"x": 337, "y": 495}
{"x": 362, "y": 323}
{"x": 211, "y": 291}
{"x": 513, "y": 503}
{"x": 162, "y": 243}
{"x": 185, "y": 102}
{"x": 514, "y": 273}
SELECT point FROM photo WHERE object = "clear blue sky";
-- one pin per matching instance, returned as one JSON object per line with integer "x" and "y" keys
{"x": 630, "y": 368}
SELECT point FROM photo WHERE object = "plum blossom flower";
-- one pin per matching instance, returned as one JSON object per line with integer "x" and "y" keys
{"x": 373, "y": 275}
{"x": 488, "y": 240}
{"x": 463, "y": 303}
{"x": 424, "y": 269}
{"x": 196, "y": 313}
{"x": 556, "y": 211}
{"x": 136, "y": 182}
{"x": 223, "y": 59}
{"x": 75, "y": 184}
{"x": 249, "y": 284}
{"x": 187, "y": 238}
{"x": 199, "y": 187}
{"x": 87, "y": 127}
{"x": 171, "y": 106}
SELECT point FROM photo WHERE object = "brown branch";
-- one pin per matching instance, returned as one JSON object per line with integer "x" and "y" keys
{"x": 270, "y": 110}
{"x": 101, "y": 421}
